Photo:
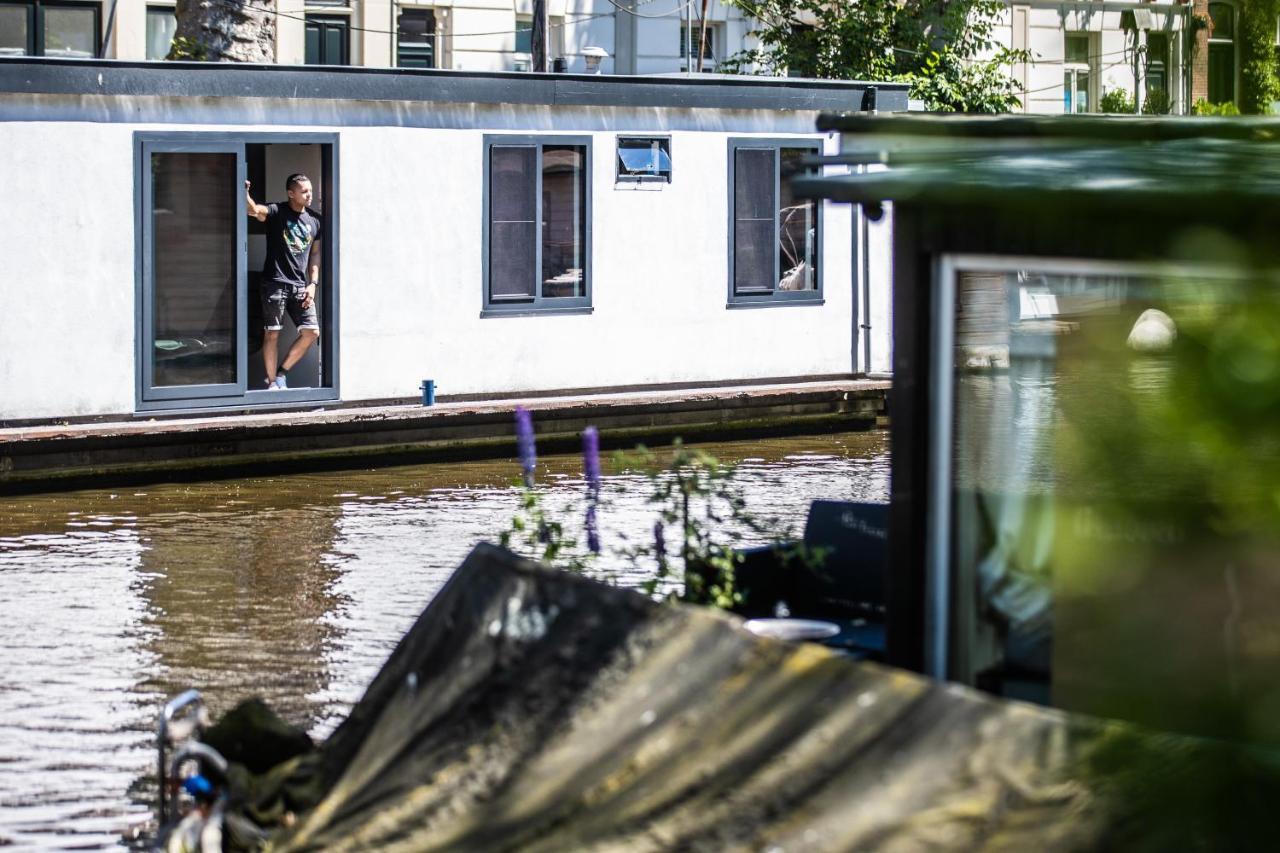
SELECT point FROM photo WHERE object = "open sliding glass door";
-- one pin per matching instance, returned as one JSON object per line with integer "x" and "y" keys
{"x": 194, "y": 311}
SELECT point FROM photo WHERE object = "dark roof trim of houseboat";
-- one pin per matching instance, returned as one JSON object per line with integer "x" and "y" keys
{"x": 1098, "y": 128}
{"x": 1045, "y": 161}
{"x": 27, "y": 75}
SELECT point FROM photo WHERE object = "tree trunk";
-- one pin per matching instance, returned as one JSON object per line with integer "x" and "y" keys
{"x": 225, "y": 31}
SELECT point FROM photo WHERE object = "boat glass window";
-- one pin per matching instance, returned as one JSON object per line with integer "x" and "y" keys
{"x": 1112, "y": 469}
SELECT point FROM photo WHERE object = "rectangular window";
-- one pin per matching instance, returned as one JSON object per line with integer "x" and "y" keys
{"x": 68, "y": 30}
{"x": 1089, "y": 538}
{"x": 775, "y": 239}
{"x": 161, "y": 24}
{"x": 1222, "y": 54}
{"x": 193, "y": 268}
{"x": 1077, "y": 73}
{"x": 16, "y": 26}
{"x": 524, "y": 34}
{"x": 203, "y": 306}
{"x": 328, "y": 40}
{"x": 524, "y": 41}
{"x": 689, "y": 44}
{"x": 537, "y": 223}
{"x": 1157, "y": 82}
{"x": 416, "y": 38}
{"x": 644, "y": 158}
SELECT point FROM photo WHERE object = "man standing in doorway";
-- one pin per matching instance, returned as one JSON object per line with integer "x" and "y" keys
{"x": 290, "y": 274}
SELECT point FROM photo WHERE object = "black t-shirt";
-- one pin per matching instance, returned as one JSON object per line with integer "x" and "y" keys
{"x": 289, "y": 239}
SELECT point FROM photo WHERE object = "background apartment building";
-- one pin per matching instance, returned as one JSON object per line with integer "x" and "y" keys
{"x": 636, "y": 36}
{"x": 1167, "y": 55}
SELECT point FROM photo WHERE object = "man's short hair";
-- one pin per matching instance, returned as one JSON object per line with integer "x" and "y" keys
{"x": 295, "y": 179}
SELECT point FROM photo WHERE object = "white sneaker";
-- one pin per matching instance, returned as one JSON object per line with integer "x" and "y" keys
{"x": 281, "y": 384}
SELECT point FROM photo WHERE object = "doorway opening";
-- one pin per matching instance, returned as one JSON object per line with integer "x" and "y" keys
{"x": 201, "y": 257}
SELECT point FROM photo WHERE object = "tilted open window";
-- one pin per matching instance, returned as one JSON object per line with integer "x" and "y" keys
{"x": 643, "y": 159}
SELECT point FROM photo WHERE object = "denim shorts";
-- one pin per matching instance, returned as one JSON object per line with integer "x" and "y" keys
{"x": 278, "y": 297}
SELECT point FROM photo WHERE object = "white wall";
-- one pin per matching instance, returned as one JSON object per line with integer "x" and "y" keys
{"x": 410, "y": 241}
{"x": 411, "y": 308}
{"x": 66, "y": 290}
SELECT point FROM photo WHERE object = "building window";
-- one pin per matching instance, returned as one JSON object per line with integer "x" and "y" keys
{"x": 775, "y": 239}
{"x": 50, "y": 29}
{"x": 1157, "y": 83}
{"x": 524, "y": 41}
{"x": 328, "y": 40}
{"x": 689, "y": 37}
{"x": 537, "y": 232}
{"x": 1222, "y": 54}
{"x": 416, "y": 38}
{"x": 644, "y": 159}
{"x": 161, "y": 25}
{"x": 1077, "y": 73}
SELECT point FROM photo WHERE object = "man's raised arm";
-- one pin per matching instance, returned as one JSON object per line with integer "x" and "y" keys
{"x": 257, "y": 211}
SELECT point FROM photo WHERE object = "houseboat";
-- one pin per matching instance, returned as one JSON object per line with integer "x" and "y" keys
{"x": 500, "y": 233}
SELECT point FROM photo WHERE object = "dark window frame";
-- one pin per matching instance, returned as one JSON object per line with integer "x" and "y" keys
{"x": 1223, "y": 69}
{"x": 711, "y": 60}
{"x": 152, "y": 399}
{"x": 622, "y": 178}
{"x": 35, "y": 22}
{"x": 325, "y": 20}
{"x": 538, "y": 304}
{"x": 416, "y": 48}
{"x": 1158, "y": 64}
{"x": 157, "y": 9}
{"x": 774, "y": 297}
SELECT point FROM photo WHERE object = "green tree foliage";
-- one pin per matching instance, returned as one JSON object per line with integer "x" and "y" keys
{"x": 1259, "y": 83}
{"x": 1156, "y": 103}
{"x": 1204, "y": 108}
{"x": 946, "y": 49}
{"x": 1117, "y": 101}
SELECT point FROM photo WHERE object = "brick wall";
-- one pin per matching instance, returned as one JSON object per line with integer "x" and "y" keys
{"x": 1200, "y": 57}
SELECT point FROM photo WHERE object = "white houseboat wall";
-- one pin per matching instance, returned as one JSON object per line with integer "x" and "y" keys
{"x": 130, "y": 267}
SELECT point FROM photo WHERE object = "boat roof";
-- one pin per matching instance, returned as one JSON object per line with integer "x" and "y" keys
{"x": 27, "y": 75}
{"x": 1112, "y": 161}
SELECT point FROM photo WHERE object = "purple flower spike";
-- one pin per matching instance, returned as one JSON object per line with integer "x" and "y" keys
{"x": 525, "y": 442}
{"x": 593, "y": 529}
{"x": 591, "y": 459}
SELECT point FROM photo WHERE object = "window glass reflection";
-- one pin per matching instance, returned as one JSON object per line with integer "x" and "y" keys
{"x": 1114, "y": 521}
{"x": 195, "y": 210}
{"x": 564, "y": 220}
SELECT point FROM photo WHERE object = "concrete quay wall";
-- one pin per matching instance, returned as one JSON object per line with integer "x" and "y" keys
{"x": 60, "y": 457}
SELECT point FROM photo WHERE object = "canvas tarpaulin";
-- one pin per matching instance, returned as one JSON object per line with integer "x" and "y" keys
{"x": 540, "y": 711}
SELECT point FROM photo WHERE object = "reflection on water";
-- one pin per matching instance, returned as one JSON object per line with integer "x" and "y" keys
{"x": 293, "y": 588}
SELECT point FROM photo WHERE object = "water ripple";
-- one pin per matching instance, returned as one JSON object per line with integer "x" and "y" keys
{"x": 290, "y": 588}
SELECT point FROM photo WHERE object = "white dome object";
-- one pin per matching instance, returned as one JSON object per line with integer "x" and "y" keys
{"x": 1154, "y": 331}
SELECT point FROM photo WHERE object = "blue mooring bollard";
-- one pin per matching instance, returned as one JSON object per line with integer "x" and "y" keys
{"x": 428, "y": 392}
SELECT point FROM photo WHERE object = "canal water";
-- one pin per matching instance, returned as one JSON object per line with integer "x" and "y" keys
{"x": 293, "y": 588}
